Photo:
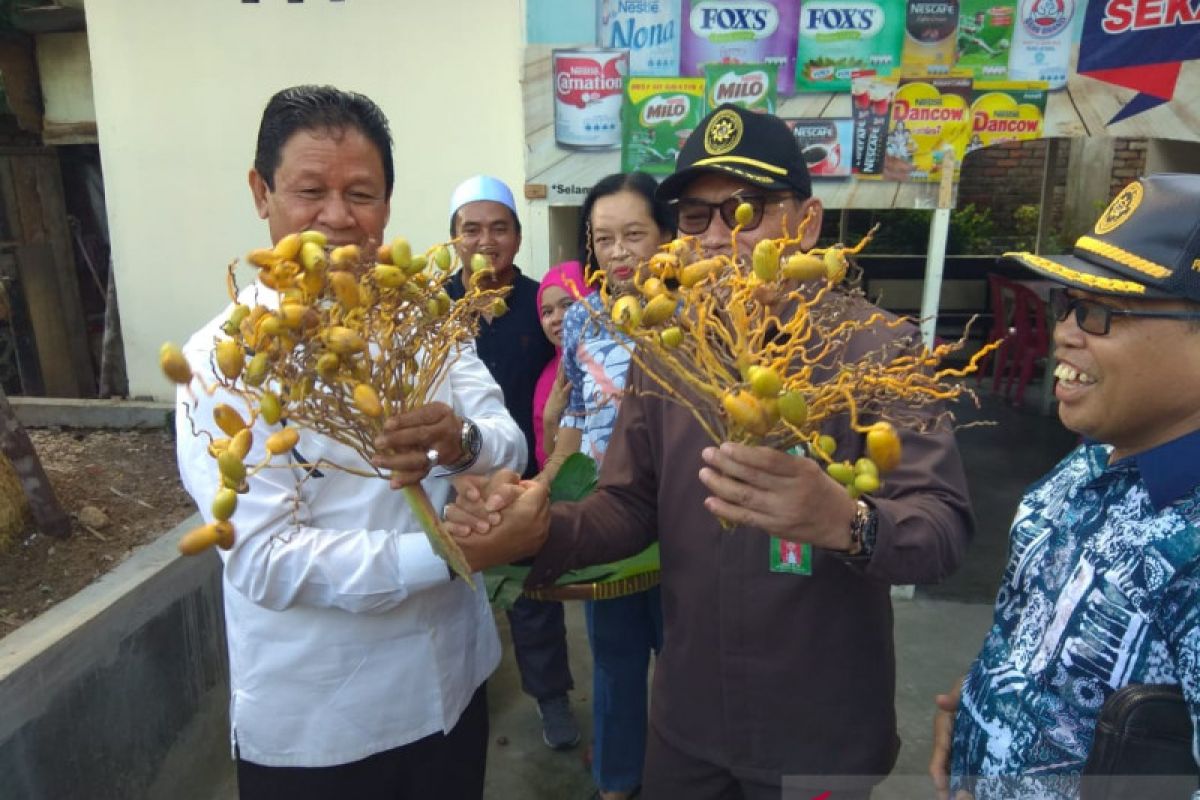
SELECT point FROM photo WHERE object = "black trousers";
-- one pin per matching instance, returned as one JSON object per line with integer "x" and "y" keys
{"x": 539, "y": 637}
{"x": 447, "y": 766}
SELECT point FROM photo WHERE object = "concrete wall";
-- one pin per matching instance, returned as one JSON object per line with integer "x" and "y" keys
{"x": 179, "y": 89}
{"x": 122, "y": 690}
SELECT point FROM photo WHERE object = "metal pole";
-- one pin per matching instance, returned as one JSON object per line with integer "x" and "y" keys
{"x": 935, "y": 258}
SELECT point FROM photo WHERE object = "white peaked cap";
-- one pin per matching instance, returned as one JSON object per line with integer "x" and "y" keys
{"x": 482, "y": 187}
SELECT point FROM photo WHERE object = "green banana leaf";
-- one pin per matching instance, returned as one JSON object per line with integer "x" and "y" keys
{"x": 575, "y": 481}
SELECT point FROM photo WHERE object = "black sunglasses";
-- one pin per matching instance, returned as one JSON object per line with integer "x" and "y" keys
{"x": 1096, "y": 318}
{"x": 694, "y": 215}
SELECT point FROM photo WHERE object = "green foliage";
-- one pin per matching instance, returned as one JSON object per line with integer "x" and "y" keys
{"x": 576, "y": 479}
{"x": 1025, "y": 225}
{"x": 971, "y": 231}
{"x": 905, "y": 231}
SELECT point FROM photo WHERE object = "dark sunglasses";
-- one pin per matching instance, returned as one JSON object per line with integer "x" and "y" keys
{"x": 694, "y": 216}
{"x": 1096, "y": 318}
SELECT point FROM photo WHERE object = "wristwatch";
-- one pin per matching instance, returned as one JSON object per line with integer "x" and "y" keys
{"x": 862, "y": 531}
{"x": 471, "y": 442}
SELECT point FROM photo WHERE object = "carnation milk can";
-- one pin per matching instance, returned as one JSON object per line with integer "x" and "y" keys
{"x": 648, "y": 29}
{"x": 587, "y": 97}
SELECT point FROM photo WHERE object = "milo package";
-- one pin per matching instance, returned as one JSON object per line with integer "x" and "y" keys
{"x": 929, "y": 113}
{"x": 839, "y": 37}
{"x": 985, "y": 31}
{"x": 740, "y": 32}
{"x": 1006, "y": 111}
{"x": 657, "y": 116}
{"x": 751, "y": 86}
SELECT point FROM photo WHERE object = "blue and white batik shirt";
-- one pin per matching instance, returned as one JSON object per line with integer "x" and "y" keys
{"x": 595, "y": 362}
{"x": 1102, "y": 590}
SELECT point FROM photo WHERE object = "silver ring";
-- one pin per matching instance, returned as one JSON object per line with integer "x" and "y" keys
{"x": 431, "y": 458}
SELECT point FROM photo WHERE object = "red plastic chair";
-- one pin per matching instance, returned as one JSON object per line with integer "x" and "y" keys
{"x": 1004, "y": 305}
{"x": 1019, "y": 325}
{"x": 1033, "y": 341}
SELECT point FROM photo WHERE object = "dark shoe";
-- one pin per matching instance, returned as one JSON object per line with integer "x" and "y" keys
{"x": 559, "y": 730}
{"x": 632, "y": 794}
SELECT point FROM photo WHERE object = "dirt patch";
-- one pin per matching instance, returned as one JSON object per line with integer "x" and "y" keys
{"x": 121, "y": 489}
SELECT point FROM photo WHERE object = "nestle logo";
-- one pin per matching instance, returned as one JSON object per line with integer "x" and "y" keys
{"x": 941, "y": 9}
{"x": 637, "y": 7}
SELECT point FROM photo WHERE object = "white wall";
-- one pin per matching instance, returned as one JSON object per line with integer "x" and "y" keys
{"x": 179, "y": 90}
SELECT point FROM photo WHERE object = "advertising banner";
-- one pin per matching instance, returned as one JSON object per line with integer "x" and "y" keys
{"x": 929, "y": 113}
{"x": 1139, "y": 44}
{"x": 1003, "y": 69}
{"x": 657, "y": 116}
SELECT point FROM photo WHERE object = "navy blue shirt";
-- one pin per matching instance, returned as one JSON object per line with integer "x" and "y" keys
{"x": 515, "y": 350}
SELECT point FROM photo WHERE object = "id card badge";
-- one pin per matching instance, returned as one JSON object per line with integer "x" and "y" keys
{"x": 791, "y": 557}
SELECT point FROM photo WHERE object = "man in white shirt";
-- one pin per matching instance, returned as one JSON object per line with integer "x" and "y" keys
{"x": 357, "y": 662}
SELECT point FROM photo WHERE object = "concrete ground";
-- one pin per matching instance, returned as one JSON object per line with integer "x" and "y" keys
{"x": 937, "y": 633}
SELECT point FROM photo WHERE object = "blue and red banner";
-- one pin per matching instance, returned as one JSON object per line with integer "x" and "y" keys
{"x": 1139, "y": 44}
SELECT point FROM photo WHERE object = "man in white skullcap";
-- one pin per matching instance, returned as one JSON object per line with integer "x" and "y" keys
{"x": 483, "y": 216}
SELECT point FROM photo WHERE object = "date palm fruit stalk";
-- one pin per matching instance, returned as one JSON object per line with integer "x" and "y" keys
{"x": 756, "y": 346}
{"x": 346, "y": 339}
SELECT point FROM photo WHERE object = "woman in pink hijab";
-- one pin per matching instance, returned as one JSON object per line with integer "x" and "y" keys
{"x": 562, "y": 286}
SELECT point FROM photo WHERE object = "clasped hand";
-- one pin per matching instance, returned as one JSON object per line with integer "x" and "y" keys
{"x": 498, "y": 519}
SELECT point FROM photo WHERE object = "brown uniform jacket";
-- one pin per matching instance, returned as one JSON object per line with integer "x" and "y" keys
{"x": 766, "y": 674}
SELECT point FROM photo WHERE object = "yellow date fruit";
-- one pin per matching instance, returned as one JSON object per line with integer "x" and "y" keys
{"x": 765, "y": 259}
{"x": 743, "y": 214}
{"x": 173, "y": 363}
{"x": 658, "y": 309}
{"x": 764, "y": 381}
{"x": 803, "y": 267}
{"x": 883, "y": 446}
{"x": 270, "y": 408}
{"x": 200, "y": 539}
{"x": 627, "y": 312}
{"x": 282, "y": 441}
{"x": 366, "y": 400}
{"x": 224, "y": 504}
{"x": 228, "y": 419}
{"x": 287, "y": 248}
{"x": 793, "y": 408}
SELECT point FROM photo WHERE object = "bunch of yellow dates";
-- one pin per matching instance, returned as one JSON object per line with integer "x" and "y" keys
{"x": 756, "y": 345}
{"x": 339, "y": 341}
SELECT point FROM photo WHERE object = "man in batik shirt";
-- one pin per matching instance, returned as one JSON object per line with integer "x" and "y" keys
{"x": 1103, "y": 577}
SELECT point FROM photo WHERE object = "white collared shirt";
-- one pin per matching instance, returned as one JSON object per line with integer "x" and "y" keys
{"x": 346, "y": 634}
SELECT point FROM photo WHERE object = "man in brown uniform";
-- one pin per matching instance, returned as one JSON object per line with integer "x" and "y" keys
{"x": 774, "y": 676}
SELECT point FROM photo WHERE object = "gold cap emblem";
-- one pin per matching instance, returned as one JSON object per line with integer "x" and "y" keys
{"x": 1120, "y": 209}
{"x": 723, "y": 133}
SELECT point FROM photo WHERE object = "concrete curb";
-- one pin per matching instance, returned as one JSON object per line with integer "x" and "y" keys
{"x": 46, "y": 412}
{"x": 121, "y": 690}
{"x": 25, "y": 646}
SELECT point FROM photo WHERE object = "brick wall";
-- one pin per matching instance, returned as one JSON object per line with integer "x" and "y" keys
{"x": 1004, "y": 177}
{"x": 1129, "y": 162}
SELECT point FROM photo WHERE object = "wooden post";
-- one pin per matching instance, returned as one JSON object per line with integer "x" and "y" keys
{"x": 48, "y": 514}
